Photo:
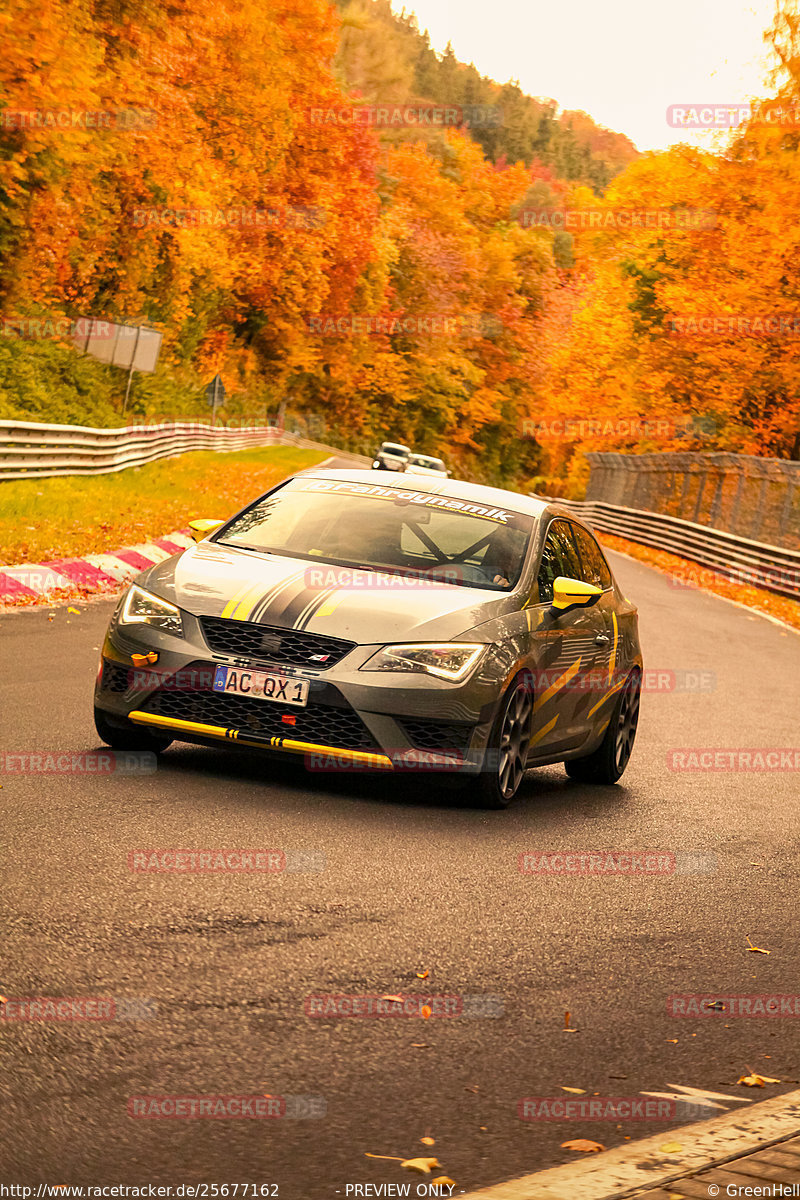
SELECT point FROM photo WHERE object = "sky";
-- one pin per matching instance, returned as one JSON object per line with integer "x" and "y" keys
{"x": 621, "y": 61}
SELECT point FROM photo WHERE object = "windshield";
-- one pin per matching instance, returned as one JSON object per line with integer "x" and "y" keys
{"x": 399, "y": 531}
{"x": 421, "y": 460}
{"x": 391, "y": 448}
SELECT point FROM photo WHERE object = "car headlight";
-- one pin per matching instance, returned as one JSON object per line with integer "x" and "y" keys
{"x": 377, "y": 463}
{"x": 143, "y": 608}
{"x": 446, "y": 660}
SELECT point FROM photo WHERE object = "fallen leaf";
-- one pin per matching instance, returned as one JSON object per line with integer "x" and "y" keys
{"x": 753, "y": 1080}
{"x": 575, "y": 1091}
{"x": 757, "y": 949}
{"x": 77, "y": 611}
{"x": 583, "y": 1145}
{"x": 716, "y": 1005}
{"x": 388, "y": 1157}
{"x": 423, "y": 1165}
{"x": 674, "y": 1041}
{"x": 426, "y": 1012}
{"x": 423, "y": 974}
{"x": 474, "y": 1088}
{"x": 428, "y": 1141}
{"x": 671, "y": 1147}
{"x": 421, "y": 1045}
{"x": 443, "y": 1181}
{"x": 400, "y": 998}
{"x": 3, "y": 999}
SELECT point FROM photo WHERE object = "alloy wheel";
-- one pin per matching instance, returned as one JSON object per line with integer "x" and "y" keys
{"x": 627, "y": 722}
{"x": 515, "y": 736}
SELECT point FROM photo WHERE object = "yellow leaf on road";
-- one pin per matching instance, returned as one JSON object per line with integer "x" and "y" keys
{"x": 753, "y": 1080}
{"x": 423, "y": 1165}
{"x": 756, "y": 949}
{"x": 583, "y": 1145}
{"x": 575, "y": 1091}
{"x": 443, "y": 1181}
{"x": 428, "y": 1141}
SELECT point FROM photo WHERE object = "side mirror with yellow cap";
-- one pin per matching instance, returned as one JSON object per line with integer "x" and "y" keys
{"x": 572, "y": 593}
{"x": 202, "y": 528}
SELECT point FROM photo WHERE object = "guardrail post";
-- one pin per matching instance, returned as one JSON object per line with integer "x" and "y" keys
{"x": 699, "y": 500}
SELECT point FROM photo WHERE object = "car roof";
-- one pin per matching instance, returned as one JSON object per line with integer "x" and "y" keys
{"x": 458, "y": 489}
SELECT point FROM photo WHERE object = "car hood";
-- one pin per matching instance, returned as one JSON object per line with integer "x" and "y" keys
{"x": 215, "y": 580}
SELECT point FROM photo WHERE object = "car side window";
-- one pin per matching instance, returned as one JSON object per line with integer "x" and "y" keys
{"x": 559, "y": 557}
{"x": 595, "y": 568}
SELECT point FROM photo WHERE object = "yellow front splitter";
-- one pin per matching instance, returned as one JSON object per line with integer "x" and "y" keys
{"x": 361, "y": 757}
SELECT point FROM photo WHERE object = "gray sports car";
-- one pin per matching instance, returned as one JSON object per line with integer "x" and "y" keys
{"x": 442, "y": 627}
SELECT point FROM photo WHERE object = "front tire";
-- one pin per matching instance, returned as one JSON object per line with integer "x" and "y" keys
{"x": 507, "y": 752}
{"x": 611, "y": 757}
{"x": 128, "y": 736}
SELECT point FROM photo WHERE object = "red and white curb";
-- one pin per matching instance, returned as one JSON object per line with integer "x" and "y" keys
{"x": 91, "y": 573}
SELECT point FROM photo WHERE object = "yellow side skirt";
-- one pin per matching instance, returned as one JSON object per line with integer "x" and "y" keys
{"x": 379, "y": 761}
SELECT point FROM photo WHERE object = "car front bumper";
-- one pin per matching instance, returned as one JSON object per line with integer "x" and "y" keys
{"x": 353, "y": 719}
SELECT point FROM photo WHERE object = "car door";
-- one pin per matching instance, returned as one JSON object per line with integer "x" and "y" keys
{"x": 576, "y": 653}
{"x": 597, "y": 572}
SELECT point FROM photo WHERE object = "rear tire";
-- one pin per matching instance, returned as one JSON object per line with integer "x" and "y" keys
{"x": 128, "y": 736}
{"x": 507, "y": 751}
{"x": 611, "y": 757}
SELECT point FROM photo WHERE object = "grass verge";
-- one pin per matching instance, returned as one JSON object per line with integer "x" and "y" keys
{"x": 44, "y": 519}
{"x": 691, "y": 574}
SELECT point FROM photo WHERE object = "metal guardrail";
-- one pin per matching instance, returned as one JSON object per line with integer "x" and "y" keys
{"x": 30, "y": 449}
{"x": 738, "y": 558}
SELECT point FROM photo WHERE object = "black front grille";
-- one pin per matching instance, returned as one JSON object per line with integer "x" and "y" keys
{"x": 437, "y": 735}
{"x": 115, "y": 677}
{"x": 270, "y": 643}
{"x": 336, "y": 725}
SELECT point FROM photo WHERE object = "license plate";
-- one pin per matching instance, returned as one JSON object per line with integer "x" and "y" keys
{"x": 262, "y": 685}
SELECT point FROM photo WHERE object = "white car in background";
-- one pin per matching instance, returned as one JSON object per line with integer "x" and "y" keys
{"x": 391, "y": 456}
{"x": 423, "y": 464}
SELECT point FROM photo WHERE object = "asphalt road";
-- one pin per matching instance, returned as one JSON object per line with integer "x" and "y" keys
{"x": 413, "y": 882}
